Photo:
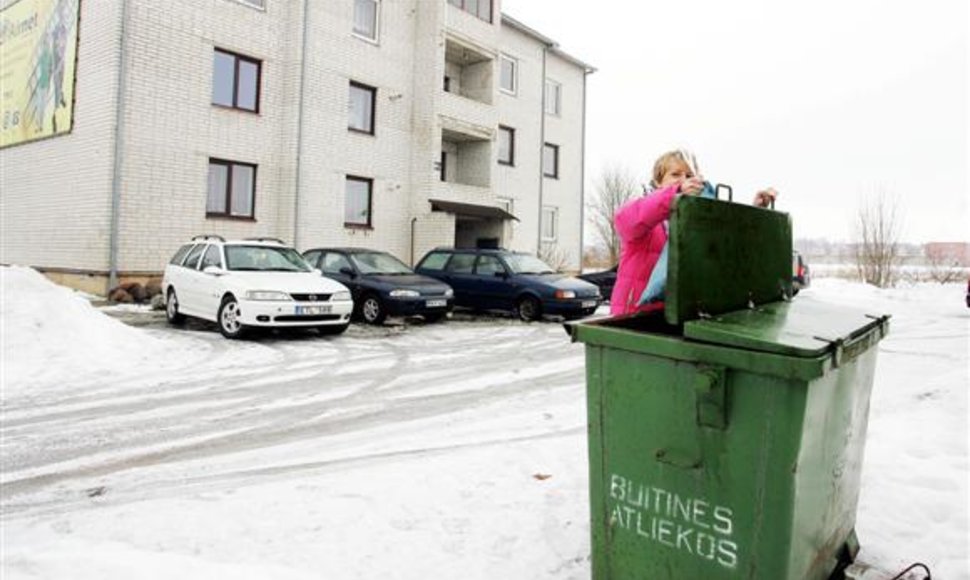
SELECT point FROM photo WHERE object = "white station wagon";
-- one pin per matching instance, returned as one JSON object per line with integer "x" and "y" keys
{"x": 259, "y": 282}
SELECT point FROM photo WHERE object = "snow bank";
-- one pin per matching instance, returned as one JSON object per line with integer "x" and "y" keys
{"x": 49, "y": 333}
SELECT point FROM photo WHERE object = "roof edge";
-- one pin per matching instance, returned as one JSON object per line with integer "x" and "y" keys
{"x": 551, "y": 44}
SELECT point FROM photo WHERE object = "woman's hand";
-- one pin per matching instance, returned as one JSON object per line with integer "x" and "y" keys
{"x": 765, "y": 197}
{"x": 691, "y": 185}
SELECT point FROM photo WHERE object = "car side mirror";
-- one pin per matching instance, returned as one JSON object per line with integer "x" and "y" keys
{"x": 348, "y": 271}
{"x": 214, "y": 271}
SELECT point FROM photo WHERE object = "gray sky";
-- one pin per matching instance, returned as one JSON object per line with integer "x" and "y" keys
{"x": 827, "y": 101}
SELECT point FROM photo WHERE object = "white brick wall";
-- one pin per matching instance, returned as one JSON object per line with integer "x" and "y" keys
{"x": 56, "y": 195}
{"x": 523, "y": 112}
{"x": 566, "y": 130}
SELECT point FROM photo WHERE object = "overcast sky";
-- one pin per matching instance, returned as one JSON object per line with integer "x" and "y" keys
{"x": 828, "y": 101}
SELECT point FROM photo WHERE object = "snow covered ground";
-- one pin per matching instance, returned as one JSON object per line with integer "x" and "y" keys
{"x": 455, "y": 450}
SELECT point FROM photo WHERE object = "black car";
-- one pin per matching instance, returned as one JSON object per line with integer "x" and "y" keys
{"x": 382, "y": 285}
{"x": 496, "y": 279}
{"x": 604, "y": 280}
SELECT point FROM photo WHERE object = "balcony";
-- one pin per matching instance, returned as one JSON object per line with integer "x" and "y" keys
{"x": 466, "y": 158}
{"x": 468, "y": 72}
{"x": 462, "y": 193}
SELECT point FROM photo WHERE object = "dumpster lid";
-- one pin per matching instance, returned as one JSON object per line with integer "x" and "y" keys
{"x": 724, "y": 256}
{"x": 802, "y": 328}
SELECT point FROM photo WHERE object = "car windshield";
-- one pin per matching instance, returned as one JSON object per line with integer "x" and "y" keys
{"x": 526, "y": 264}
{"x": 264, "y": 259}
{"x": 379, "y": 263}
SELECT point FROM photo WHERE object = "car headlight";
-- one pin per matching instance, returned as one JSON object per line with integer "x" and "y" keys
{"x": 399, "y": 293}
{"x": 342, "y": 296}
{"x": 565, "y": 294}
{"x": 267, "y": 295}
{"x": 449, "y": 293}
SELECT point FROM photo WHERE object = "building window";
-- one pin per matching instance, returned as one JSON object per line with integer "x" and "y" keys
{"x": 508, "y": 74}
{"x": 550, "y": 223}
{"x": 366, "y": 18}
{"x": 235, "y": 81}
{"x": 506, "y": 145}
{"x": 550, "y": 160}
{"x": 261, "y": 4}
{"x": 357, "y": 201}
{"x": 553, "y": 98}
{"x": 444, "y": 166}
{"x": 362, "y": 101}
{"x": 232, "y": 189}
{"x": 479, "y": 8}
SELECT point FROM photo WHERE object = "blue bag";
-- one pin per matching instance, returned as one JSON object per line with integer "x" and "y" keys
{"x": 658, "y": 277}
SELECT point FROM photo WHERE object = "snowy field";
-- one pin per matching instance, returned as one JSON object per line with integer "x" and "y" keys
{"x": 446, "y": 451}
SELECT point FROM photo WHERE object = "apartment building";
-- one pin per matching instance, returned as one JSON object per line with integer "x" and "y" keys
{"x": 399, "y": 125}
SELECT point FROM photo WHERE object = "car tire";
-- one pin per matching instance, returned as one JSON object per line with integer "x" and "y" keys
{"x": 528, "y": 309}
{"x": 332, "y": 329}
{"x": 372, "y": 309}
{"x": 228, "y": 318}
{"x": 172, "y": 313}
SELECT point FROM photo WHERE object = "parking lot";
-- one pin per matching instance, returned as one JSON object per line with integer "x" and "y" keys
{"x": 409, "y": 450}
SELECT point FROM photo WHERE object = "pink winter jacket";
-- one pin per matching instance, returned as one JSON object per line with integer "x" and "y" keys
{"x": 640, "y": 227}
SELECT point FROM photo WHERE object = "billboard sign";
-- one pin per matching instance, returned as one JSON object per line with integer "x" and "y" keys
{"x": 38, "y": 59}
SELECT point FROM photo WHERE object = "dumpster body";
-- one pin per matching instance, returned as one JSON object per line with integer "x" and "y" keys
{"x": 727, "y": 444}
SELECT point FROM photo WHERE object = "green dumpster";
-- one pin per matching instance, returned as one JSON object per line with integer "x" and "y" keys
{"x": 726, "y": 433}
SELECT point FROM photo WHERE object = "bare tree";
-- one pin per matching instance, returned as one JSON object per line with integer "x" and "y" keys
{"x": 615, "y": 185}
{"x": 944, "y": 264}
{"x": 878, "y": 224}
{"x": 555, "y": 256}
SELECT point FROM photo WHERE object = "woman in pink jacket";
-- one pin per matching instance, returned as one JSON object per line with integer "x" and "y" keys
{"x": 641, "y": 225}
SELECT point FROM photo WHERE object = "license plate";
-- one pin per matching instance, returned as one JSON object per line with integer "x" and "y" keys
{"x": 312, "y": 310}
{"x": 436, "y": 303}
{"x": 589, "y": 304}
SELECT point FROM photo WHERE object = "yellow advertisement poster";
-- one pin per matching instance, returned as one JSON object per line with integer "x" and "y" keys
{"x": 38, "y": 50}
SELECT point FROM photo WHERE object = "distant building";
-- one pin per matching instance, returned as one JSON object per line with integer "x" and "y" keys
{"x": 398, "y": 125}
{"x": 948, "y": 253}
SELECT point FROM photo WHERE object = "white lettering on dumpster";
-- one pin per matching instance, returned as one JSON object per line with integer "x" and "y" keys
{"x": 683, "y": 523}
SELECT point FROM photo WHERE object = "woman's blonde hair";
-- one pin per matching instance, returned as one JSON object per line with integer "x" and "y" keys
{"x": 663, "y": 163}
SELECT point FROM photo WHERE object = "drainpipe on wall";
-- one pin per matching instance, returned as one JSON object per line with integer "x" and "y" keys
{"x": 582, "y": 177}
{"x": 299, "y": 131}
{"x": 413, "y": 221}
{"x": 118, "y": 149}
{"x": 542, "y": 145}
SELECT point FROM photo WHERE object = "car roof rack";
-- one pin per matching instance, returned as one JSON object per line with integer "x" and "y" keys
{"x": 208, "y": 237}
{"x": 454, "y": 249}
{"x": 266, "y": 239}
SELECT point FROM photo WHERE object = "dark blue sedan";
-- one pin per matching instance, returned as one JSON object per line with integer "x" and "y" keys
{"x": 490, "y": 279}
{"x": 382, "y": 285}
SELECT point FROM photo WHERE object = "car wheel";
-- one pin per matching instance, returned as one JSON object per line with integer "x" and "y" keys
{"x": 332, "y": 329}
{"x": 172, "y": 308}
{"x": 372, "y": 310}
{"x": 528, "y": 308}
{"x": 228, "y": 318}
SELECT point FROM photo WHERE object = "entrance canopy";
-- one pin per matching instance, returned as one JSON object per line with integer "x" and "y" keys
{"x": 471, "y": 209}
